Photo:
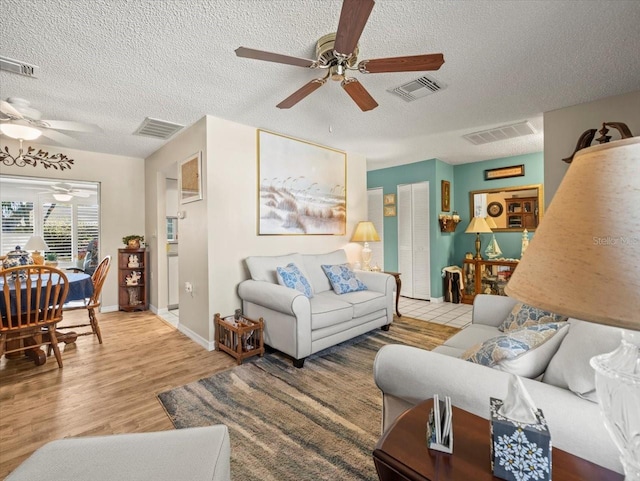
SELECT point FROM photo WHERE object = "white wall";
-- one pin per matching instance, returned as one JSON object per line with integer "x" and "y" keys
{"x": 233, "y": 217}
{"x": 192, "y": 247}
{"x": 563, "y": 127}
{"x": 122, "y": 198}
{"x": 218, "y": 233}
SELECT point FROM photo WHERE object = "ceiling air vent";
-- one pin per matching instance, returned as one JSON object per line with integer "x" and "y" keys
{"x": 158, "y": 129}
{"x": 500, "y": 133}
{"x": 19, "y": 67}
{"x": 418, "y": 88}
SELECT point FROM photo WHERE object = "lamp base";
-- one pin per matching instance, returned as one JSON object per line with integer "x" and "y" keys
{"x": 618, "y": 388}
{"x": 38, "y": 259}
{"x": 478, "y": 256}
{"x": 366, "y": 257}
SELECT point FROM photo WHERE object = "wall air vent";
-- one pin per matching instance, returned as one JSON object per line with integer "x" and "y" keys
{"x": 418, "y": 88}
{"x": 500, "y": 133}
{"x": 19, "y": 67}
{"x": 158, "y": 129}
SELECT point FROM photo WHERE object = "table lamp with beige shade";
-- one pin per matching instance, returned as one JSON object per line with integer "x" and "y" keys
{"x": 365, "y": 232}
{"x": 36, "y": 244}
{"x": 478, "y": 225}
{"x": 584, "y": 262}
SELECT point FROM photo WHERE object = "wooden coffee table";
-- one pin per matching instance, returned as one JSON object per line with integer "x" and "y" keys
{"x": 402, "y": 453}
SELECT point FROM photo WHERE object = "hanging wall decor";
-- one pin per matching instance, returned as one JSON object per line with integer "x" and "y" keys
{"x": 301, "y": 187}
{"x": 55, "y": 161}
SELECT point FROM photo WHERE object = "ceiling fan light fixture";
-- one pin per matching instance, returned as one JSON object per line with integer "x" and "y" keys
{"x": 62, "y": 197}
{"x": 20, "y": 132}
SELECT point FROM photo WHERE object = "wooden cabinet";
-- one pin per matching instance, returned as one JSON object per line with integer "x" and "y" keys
{"x": 132, "y": 280}
{"x": 485, "y": 277}
{"x": 522, "y": 212}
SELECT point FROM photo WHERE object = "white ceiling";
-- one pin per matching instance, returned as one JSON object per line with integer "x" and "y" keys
{"x": 114, "y": 63}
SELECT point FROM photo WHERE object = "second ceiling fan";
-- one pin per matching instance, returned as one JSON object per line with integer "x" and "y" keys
{"x": 338, "y": 52}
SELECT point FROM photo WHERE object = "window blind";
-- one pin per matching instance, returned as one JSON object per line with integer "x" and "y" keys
{"x": 17, "y": 225}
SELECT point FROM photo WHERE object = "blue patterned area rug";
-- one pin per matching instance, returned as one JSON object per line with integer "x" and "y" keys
{"x": 286, "y": 424}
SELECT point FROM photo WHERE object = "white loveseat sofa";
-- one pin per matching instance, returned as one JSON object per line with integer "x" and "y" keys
{"x": 300, "y": 326}
{"x": 407, "y": 375}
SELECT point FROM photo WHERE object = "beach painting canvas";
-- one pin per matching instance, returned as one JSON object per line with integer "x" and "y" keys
{"x": 302, "y": 187}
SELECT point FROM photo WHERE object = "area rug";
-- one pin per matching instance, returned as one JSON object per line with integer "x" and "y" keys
{"x": 316, "y": 423}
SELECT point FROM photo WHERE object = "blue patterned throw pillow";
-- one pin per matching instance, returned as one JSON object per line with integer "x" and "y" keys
{"x": 525, "y": 352}
{"x": 292, "y": 278}
{"x": 343, "y": 279}
{"x": 524, "y": 315}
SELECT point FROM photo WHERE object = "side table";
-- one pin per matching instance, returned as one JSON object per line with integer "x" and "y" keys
{"x": 402, "y": 453}
{"x": 398, "y": 287}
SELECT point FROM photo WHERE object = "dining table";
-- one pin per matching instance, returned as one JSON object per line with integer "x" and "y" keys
{"x": 80, "y": 288}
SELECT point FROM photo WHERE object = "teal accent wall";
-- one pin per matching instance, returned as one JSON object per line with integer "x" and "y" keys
{"x": 449, "y": 248}
{"x": 432, "y": 171}
{"x": 470, "y": 177}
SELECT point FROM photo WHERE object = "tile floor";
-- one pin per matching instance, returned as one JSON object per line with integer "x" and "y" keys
{"x": 457, "y": 315}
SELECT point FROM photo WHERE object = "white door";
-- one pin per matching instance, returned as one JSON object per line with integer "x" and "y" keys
{"x": 413, "y": 240}
{"x": 375, "y": 215}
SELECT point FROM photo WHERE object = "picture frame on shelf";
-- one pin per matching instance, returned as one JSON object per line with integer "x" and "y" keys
{"x": 445, "y": 186}
{"x": 389, "y": 199}
{"x": 390, "y": 211}
{"x": 190, "y": 178}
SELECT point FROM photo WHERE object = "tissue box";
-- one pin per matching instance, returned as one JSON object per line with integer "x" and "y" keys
{"x": 519, "y": 451}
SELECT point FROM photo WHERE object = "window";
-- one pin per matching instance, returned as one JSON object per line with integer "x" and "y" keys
{"x": 28, "y": 208}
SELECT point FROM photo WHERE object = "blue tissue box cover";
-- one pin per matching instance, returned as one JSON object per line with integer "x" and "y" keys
{"x": 519, "y": 451}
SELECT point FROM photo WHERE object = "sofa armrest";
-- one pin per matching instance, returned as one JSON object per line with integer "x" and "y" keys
{"x": 273, "y": 296}
{"x": 491, "y": 310}
{"x": 377, "y": 281}
{"x": 411, "y": 375}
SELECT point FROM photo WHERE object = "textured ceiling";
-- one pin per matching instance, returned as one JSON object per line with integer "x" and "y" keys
{"x": 115, "y": 62}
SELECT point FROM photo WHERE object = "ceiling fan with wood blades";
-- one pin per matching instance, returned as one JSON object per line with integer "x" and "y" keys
{"x": 20, "y": 121}
{"x": 337, "y": 53}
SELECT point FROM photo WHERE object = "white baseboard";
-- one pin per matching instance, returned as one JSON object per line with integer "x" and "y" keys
{"x": 436, "y": 300}
{"x": 209, "y": 346}
{"x": 109, "y": 308}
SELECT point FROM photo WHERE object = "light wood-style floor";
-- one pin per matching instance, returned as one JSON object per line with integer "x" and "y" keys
{"x": 102, "y": 389}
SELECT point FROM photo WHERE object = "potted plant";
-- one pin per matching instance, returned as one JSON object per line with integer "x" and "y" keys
{"x": 133, "y": 241}
{"x": 51, "y": 259}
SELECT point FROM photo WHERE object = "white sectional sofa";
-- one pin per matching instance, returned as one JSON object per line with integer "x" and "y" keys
{"x": 300, "y": 326}
{"x": 565, "y": 392}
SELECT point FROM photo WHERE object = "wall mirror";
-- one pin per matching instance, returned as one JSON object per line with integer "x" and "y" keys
{"x": 511, "y": 208}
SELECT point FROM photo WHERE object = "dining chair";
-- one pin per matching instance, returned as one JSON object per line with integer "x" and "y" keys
{"x": 92, "y": 303}
{"x": 31, "y": 307}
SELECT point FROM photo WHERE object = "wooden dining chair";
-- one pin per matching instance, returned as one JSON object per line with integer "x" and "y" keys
{"x": 93, "y": 302}
{"x": 30, "y": 308}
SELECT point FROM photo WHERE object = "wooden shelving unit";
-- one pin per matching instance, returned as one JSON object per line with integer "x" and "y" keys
{"x": 485, "y": 277}
{"x": 132, "y": 280}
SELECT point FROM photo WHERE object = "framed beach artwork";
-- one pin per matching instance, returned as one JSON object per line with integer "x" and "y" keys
{"x": 301, "y": 187}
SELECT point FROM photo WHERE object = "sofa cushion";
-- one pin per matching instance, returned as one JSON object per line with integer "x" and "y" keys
{"x": 327, "y": 309}
{"x": 365, "y": 302}
{"x": 570, "y": 367}
{"x": 525, "y": 352}
{"x": 471, "y": 335}
{"x": 343, "y": 279}
{"x": 292, "y": 278}
{"x": 263, "y": 268}
{"x": 523, "y": 315}
{"x": 316, "y": 275}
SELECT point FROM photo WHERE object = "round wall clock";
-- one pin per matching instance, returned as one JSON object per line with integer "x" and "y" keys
{"x": 494, "y": 209}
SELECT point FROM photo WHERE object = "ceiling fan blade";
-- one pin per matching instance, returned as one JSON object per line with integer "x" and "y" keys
{"x": 402, "y": 64}
{"x": 274, "y": 57}
{"x": 69, "y": 125}
{"x": 61, "y": 138}
{"x": 353, "y": 18}
{"x": 359, "y": 94}
{"x": 9, "y": 111}
{"x": 301, "y": 93}
{"x": 80, "y": 193}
